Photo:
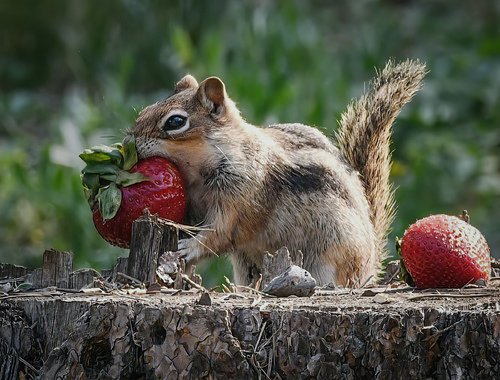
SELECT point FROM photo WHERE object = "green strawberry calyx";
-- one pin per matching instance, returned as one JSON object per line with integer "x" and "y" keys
{"x": 403, "y": 272}
{"x": 108, "y": 169}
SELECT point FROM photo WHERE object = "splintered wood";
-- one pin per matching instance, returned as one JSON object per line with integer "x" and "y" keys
{"x": 151, "y": 238}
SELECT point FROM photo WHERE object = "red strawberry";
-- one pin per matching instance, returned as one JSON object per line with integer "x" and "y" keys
{"x": 118, "y": 189}
{"x": 442, "y": 251}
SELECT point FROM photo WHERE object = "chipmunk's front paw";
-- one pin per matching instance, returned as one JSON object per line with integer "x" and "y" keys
{"x": 189, "y": 250}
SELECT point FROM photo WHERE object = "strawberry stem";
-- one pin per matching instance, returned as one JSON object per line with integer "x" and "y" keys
{"x": 108, "y": 169}
{"x": 465, "y": 216}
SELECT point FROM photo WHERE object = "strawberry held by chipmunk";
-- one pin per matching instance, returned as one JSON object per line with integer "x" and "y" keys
{"x": 443, "y": 251}
{"x": 119, "y": 188}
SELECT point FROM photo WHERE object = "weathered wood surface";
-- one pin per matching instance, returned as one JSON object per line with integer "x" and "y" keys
{"x": 10, "y": 271}
{"x": 57, "y": 267}
{"x": 151, "y": 238}
{"x": 331, "y": 335}
{"x": 57, "y": 271}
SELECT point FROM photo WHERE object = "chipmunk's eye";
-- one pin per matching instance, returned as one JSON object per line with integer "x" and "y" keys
{"x": 175, "y": 122}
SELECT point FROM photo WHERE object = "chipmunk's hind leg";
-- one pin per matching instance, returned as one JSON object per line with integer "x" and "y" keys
{"x": 245, "y": 270}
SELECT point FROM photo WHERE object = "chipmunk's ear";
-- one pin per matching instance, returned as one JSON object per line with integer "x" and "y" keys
{"x": 212, "y": 94}
{"x": 187, "y": 82}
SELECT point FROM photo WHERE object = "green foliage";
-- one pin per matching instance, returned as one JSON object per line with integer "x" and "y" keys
{"x": 74, "y": 74}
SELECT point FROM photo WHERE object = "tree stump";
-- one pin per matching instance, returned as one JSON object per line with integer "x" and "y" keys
{"x": 338, "y": 334}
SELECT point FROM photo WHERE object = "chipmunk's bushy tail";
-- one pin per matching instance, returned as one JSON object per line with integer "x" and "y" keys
{"x": 364, "y": 137}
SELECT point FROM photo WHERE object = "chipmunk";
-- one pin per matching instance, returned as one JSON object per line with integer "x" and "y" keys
{"x": 262, "y": 188}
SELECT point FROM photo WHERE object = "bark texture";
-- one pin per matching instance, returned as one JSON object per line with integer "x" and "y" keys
{"x": 332, "y": 335}
{"x": 151, "y": 238}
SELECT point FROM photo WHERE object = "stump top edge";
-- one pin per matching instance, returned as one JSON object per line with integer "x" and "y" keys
{"x": 472, "y": 300}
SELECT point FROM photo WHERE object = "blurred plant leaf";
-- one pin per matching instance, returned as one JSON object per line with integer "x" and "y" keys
{"x": 25, "y": 286}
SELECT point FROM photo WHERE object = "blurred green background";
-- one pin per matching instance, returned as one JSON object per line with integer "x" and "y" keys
{"x": 74, "y": 74}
